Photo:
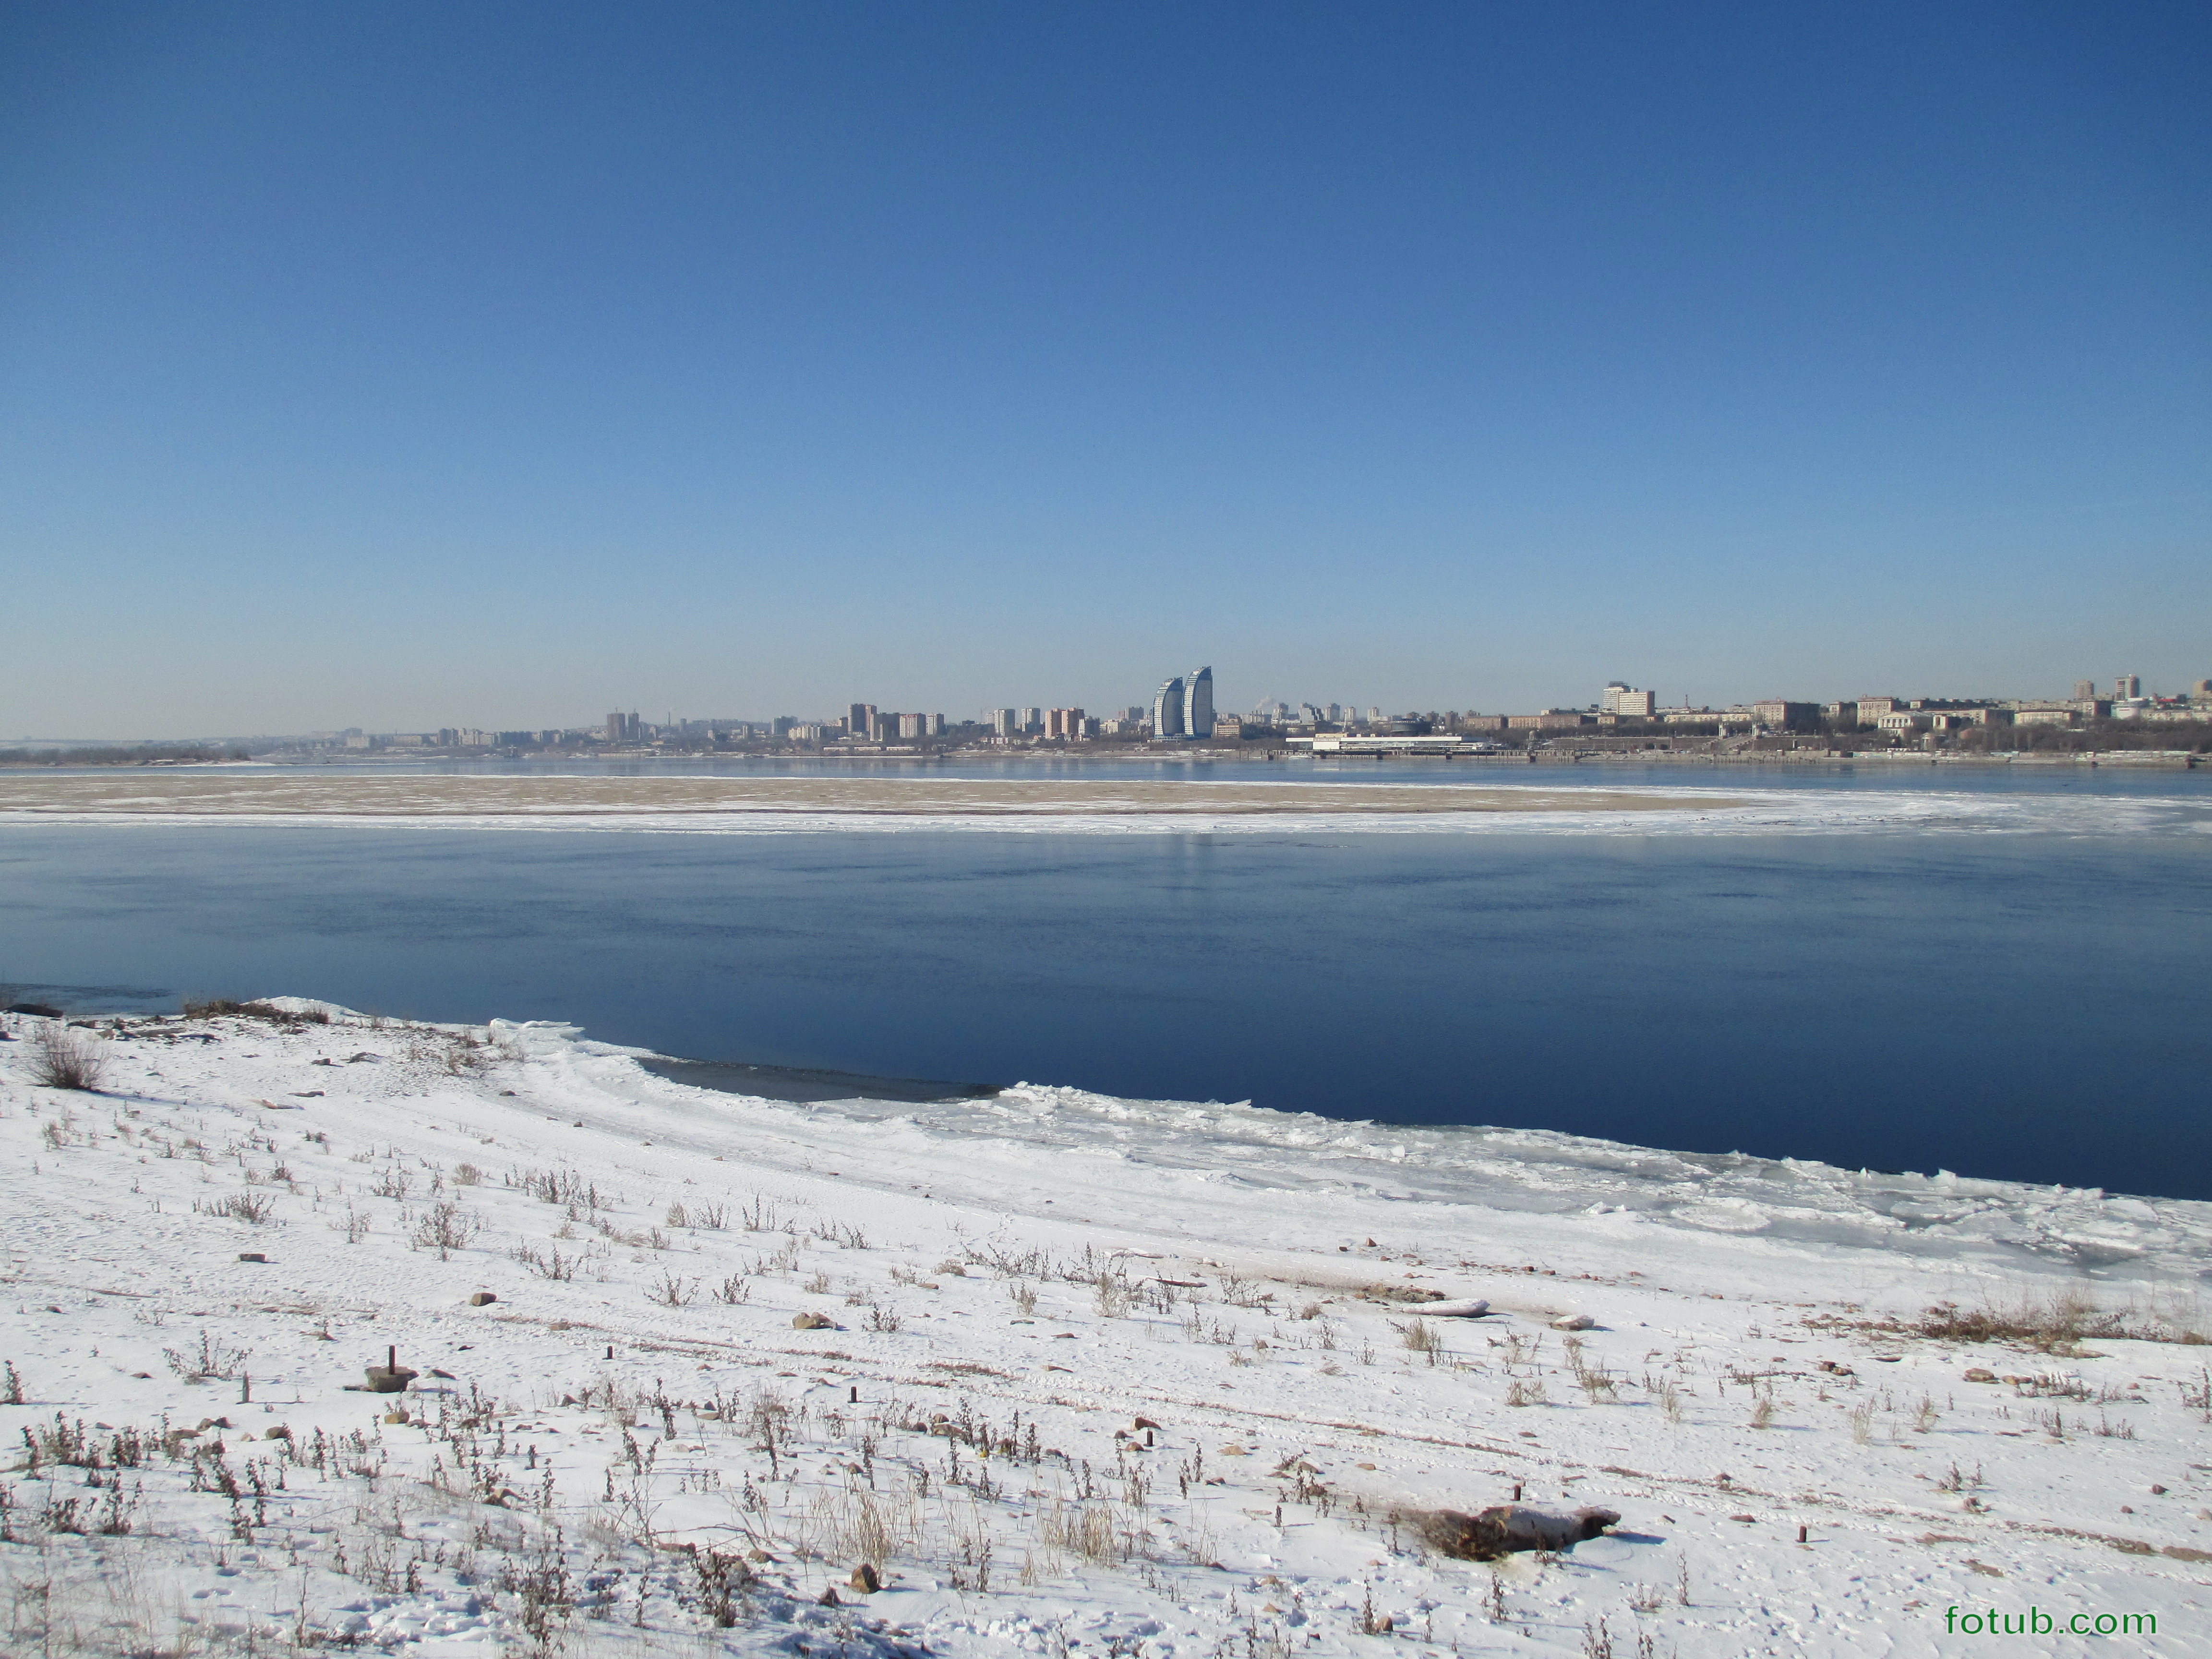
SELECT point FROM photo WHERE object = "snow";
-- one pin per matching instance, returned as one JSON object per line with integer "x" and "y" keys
{"x": 681, "y": 803}
{"x": 1042, "y": 1269}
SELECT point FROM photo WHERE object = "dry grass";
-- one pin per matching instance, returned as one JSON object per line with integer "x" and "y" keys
{"x": 2054, "y": 1322}
{"x": 1420, "y": 1336}
{"x": 60, "y": 1059}
{"x": 219, "y": 1007}
{"x": 1093, "y": 1531}
{"x": 2058, "y": 1324}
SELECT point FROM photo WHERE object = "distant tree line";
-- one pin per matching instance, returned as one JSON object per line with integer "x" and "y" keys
{"x": 137, "y": 754}
{"x": 2193, "y": 736}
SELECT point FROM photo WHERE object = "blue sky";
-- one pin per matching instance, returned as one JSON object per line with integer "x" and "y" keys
{"x": 401, "y": 365}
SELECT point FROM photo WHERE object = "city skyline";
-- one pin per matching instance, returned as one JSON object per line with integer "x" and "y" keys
{"x": 2129, "y": 697}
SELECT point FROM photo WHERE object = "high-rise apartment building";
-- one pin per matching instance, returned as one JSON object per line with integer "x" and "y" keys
{"x": 2084, "y": 691}
{"x": 1032, "y": 720}
{"x": 860, "y": 720}
{"x": 1063, "y": 723}
{"x": 1198, "y": 704}
{"x": 1167, "y": 710}
{"x": 2128, "y": 685}
{"x": 1623, "y": 699}
{"x": 1183, "y": 707}
{"x": 1004, "y": 722}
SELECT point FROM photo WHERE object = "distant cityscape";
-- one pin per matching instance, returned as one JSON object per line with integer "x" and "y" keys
{"x": 1182, "y": 713}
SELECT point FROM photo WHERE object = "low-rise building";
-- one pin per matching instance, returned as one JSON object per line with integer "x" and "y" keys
{"x": 1907, "y": 720}
{"x": 1785, "y": 715}
{"x": 2166, "y": 711}
{"x": 1707, "y": 717}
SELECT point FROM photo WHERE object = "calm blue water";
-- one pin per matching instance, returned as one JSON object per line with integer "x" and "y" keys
{"x": 2021, "y": 1006}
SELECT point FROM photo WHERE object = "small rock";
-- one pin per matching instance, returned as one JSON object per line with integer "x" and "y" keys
{"x": 867, "y": 1579}
{"x": 812, "y": 1321}
{"x": 1574, "y": 1322}
{"x": 395, "y": 1417}
{"x": 276, "y": 1431}
{"x": 1980, "y": 1374}
{"x": 829, "y": 1598}
{"x": 481, "y": 1298}
{"x": 758, "y": 1554}
{"x": 252, "y": 1256}
{"x": 2158, "y": 1491}
{"x": 2126, "y": 1509}
{"x": 1234, "y": 1451}
{"x": 1146, "y": 1423}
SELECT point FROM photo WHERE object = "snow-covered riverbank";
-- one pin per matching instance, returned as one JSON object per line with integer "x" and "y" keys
{"x": 634, "y": 1439}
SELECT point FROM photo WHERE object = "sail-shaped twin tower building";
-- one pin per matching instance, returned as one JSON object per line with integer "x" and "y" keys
{"x": 1184, "y": 707}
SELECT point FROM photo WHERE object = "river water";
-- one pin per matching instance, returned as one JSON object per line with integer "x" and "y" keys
{"x": 2015, "y": 988}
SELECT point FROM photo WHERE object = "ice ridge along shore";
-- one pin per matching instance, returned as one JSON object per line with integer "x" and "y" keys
{"x": 1064, "y": 1373}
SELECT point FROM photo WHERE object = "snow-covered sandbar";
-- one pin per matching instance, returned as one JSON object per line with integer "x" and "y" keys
{"x": 1135, "y": 1377}
{"x": 797, "y": 803}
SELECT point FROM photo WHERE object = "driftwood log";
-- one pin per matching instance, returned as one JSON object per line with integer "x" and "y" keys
{"x": 1506, "y": 1528}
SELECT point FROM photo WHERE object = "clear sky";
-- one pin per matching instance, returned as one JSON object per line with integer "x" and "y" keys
{"x": 402, "y": 365}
